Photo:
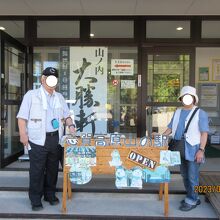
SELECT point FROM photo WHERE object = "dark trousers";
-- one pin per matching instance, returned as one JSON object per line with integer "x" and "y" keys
{"x": 43, "y": 173}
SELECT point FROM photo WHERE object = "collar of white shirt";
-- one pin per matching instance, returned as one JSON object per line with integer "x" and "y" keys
{"x": 47, "y": 93}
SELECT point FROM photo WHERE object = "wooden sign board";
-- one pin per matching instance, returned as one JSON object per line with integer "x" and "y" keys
{"x": 103, "y": 156}
{"x": 146, "y": 157}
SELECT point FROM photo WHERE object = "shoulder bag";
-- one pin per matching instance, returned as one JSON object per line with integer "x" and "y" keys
{"x": 179, "y": 145}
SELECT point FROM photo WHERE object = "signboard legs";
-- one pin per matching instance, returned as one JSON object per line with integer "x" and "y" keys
{"x": 67, "y": 191}
{"x": 164, "y": 190}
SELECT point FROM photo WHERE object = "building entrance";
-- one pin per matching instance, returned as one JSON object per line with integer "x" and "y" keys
{"x": 13, "y": 65}
{"x": 165, "y": 72}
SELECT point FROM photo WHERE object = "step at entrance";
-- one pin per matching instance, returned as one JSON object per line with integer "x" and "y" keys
{"x": 210, "y": 185}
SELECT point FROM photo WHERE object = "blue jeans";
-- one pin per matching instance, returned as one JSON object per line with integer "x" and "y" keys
{"x": 190, "y": 173}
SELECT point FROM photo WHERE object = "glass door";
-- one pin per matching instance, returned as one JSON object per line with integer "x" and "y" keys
{"x": 13, "y": 85}
{"x": 165, "y": 73}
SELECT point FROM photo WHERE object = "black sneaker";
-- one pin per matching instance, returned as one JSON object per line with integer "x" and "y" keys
{"x": 197, "y": 203}
{"x": 52, "y": 201}
{"x": 186, "y": 207}
{"x": 37, "y": 207}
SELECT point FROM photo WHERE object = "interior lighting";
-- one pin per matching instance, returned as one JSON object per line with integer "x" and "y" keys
{"x": 179, "y": 28}
{"x": 2, "y": 28}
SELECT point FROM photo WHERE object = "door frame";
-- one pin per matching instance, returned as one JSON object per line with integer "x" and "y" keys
{"x": 5, "y": 38}
{"x": 161, "y": 50}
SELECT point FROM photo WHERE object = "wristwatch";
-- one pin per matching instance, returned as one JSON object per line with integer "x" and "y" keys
{"x": 202, "y": 149}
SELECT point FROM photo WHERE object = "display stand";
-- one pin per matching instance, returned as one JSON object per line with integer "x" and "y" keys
{"x": 103, "y": 156}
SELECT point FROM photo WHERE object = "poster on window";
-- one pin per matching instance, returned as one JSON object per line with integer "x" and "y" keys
{"x": 88, "y": 88}
{"x": 209, "y": 95}
{"x": 203, "y": 73}
{"x": 127, "y": 84}
{"x": 122, "y": 67}
{"x": 14, "y": 77}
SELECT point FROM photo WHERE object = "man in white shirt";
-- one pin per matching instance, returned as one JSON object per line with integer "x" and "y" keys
{"x": 40, "y": 121}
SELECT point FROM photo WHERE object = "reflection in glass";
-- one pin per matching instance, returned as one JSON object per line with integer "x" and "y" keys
{"x": 58, "y": 29}
{"x": 167, "y": 29}
{"x": 122, "y": 98}
{"x": 128, "y": 119}
{"x": 166, "y": 75}
{"x": 12, "y": 143}
{"x": 14, "y": 73}
{"x": 112, "y": 29}
{"x": 15, "y": 28}
{"x": 166, "y": 87}
{"x": 157, "y": 118}
{"x": 210, "y": 29}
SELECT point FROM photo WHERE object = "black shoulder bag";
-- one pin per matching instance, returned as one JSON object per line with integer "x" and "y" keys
{"x": 179, "y": 145}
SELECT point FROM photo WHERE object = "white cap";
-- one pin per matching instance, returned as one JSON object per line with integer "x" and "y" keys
{"x": 189, "y": 90}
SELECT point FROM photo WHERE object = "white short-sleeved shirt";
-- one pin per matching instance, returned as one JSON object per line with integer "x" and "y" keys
{"x": 51, "y": 113}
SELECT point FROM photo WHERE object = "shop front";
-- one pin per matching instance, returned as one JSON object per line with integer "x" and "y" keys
{"x": 118, "y": 74}
{"x": 105, "y": 92}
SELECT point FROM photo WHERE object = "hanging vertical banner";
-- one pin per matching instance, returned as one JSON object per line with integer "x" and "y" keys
{"x": 64, "y": 72}
{"x": 88, "y": 87}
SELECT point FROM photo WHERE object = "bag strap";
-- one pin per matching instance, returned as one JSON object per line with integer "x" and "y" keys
{"x": 187, "y": 126}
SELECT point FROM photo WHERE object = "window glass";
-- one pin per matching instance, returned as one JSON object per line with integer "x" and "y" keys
{"x": 14, "y": 72}
{"x": 100, "y": 79}
{"x": 112, "y": 29}
{"x": 166, "y": 75}
{"x": 167, "y": 29}
{"x": 158, "y": 117}
{"x": 12, "y": 144}
{"x": 58, "y": 29}
{"x": 122, "y": 98}
{"x": 210, "y": 29}
{"x": 13, "y": 28}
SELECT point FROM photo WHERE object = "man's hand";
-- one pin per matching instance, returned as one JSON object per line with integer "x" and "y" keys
{"x": 24, "y": 139}
{"x": 199, "y": 156}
